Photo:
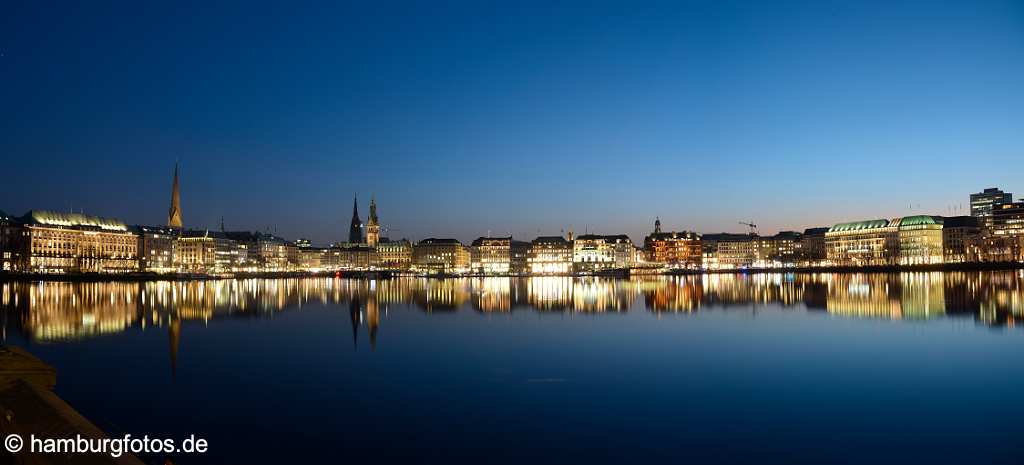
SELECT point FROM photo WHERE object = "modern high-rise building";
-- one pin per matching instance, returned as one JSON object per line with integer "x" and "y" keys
{"x": 372, "y": 226}
{"x": 355, "y": 231}
{"x": 174, "y": 214}
{"x": 982, "y": 203}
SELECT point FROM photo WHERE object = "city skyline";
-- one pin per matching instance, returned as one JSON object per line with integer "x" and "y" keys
{"x": 517, "y": 120}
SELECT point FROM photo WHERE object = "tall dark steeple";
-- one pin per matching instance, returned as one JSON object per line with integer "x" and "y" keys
{"x": 372, "y": 227}
{"x": 657, "y": 225}
{"x": 174, "y": 215}
{"x": 355, "y": 230}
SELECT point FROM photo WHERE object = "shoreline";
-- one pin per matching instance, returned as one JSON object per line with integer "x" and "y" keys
{"x": 388, "y": 274}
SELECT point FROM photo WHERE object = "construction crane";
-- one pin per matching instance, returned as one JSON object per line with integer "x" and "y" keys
{"x": 751, "y": 225}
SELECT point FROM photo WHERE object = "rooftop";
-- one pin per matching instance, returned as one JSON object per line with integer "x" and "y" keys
{"x": 73, "y": 220}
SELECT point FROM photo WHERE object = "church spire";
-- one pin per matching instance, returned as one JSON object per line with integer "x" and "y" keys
{"x": 174, "y": 214}
{"x": 657, "y": 225}
{"x": 355, "y": 232}
{"x": 372, "y": 226}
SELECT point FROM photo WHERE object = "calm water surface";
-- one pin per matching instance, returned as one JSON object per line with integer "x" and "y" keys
{"x": 829, "y": 368}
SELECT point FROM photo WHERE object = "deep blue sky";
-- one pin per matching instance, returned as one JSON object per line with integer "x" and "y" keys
{"x": 470, "y": 117}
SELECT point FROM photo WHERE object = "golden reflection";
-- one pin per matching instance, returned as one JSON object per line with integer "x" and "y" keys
{"x": 54, "y": 311}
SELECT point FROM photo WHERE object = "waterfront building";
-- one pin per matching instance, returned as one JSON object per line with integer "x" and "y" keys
{"x": 920, "y": 240}
{"x": 871, "y": 242}
{"x": 174, "y": 214}
{"x": 1008, "y": 219}
{"x": 1004, "y": 241}
{"x": 313, "y": 258}
{"x": 355, "y": 231}
{"x": 812, "y": 246}
{"x": 54, "y": 242}
{"x": 985, "y": 202}
{"x": 960, "y": 237}
{"x": 912, "y": 240}
{"x": 291, "y": 250}
{"x": 550, "y": 255}
{"x": 725, "y": 251}
{"x": 593, "y": 253}
{"x": 156, "y": 248}
{"x": 208, "y": 252}
{"x": 372, "y": 226}
{"x": 440, "y": 256}
{"x": 673, "y": 249}
{"x": 491, "y": 255}
{"x": 353, "y": 257}
{"x": 519, "y": 256}
{"x": 394, "y": 255}
{"x": 10, "y": 232}
{"x": 260, "y": 251}
{"x": 303, "y": 243}
{"x": 782, "y": 249}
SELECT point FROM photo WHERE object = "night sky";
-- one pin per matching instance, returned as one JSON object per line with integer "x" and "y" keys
{"x": 465, "y": 118}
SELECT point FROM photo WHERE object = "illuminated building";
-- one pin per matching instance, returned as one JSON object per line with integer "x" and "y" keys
{"x": 674, "y": 249}
{"x": 912, "y": 240}
{"x": 1005, "y": 240}
{"x": 550, "y": 255}
{"x": 778, "y": 250}
{"x": 53, "y": 242}
{"x": 593, "y": 253}
{"x": 394, "y": 255}
{"x": 812, "y": 246}
{"x": 156, "y": 248}
{"x": 174, "y": 214}
{"x": 372, "y": 227}
{"x": 920, "y": 239}
{"x": 871, "y": 242}
{"x": 519, "y": 255}
{"x": 260, "y": 251}
{"x": 355, "y": 232}
{"x": 353, "y": 257}
{"x": 9, "y": 235}
{"x": 960, "y": 236}
{"x": 440, "y": 256}
{"x": 985, "y": 202}
{"x": 729, "y": 251}
{"x": 313, "y": 258}
{"x": 208, "y": 252}
{"x": 491, "y": 255}
{"x": 1008, "y": 219}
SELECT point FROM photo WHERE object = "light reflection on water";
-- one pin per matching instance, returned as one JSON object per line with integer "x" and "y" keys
{"x": 54, "y": 311}
{"x": 818, "y": 368}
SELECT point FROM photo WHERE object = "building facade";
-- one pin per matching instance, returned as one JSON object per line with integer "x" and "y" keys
{"x": 674, "y": 249}
{"x": 394, "y": 255}
{"x": 960, "y": 239}
{"x": 209, "y": 252}
{"x": 726, "y": 251}
{"x": 595, "y": 253}
{"x": 491, "y": 255}
{"x": 983, "y": 203}
{"x": 862, "y": 243}
{"x": 54, "y": 242}
{"x": 550, "y": 255}
{"x": 156, "y": 248}
{"x": 440, "y": 256}
{"x": 920, "y": 239}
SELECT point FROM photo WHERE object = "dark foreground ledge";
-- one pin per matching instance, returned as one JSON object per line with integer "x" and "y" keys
{"x": 28, "y": 407}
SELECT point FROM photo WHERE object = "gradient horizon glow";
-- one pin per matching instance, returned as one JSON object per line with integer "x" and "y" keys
{"x": 469, "y": 118}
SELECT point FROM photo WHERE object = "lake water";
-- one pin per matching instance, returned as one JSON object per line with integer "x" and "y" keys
{"x": 775, "y": 368}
